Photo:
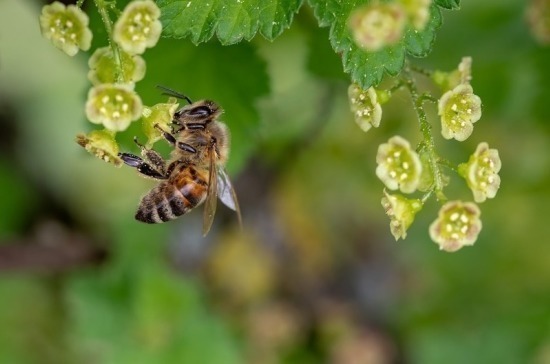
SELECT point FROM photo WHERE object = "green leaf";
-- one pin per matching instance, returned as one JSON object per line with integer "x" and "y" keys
{"x": 231, "y": 21}
{"x": 449, "y": 4}
{"x": 368, "y": 68}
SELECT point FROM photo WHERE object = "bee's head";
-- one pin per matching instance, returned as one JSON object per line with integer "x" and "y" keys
{"x": 200, "y": 112}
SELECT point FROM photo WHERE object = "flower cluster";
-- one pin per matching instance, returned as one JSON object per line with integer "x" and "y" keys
{"x": 114, "y": 70}
{"x": 400, "y": 167}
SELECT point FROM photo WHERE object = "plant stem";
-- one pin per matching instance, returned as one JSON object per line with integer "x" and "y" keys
{"x": 427, "y": 136}
{"x": 103, "y": 12}
{"x": 421, "y": 71}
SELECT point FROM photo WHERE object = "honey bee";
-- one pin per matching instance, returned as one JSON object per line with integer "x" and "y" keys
{"x": 195, "y": 172}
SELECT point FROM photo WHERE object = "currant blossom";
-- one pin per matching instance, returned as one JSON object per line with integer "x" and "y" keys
{"x": 449, "y": 80}
{"x": 365, "y": 107}
{"x": 103, "y": 68}
{"x": 377, "y": 25}
{"x": 459, "y": 109}
{"x": 102, "y": 144}
{"x": 401, "y": 211}
{"x": 418, "y": 12}
{"x": 481, "y": 172}
{"x": 457, "y": 225}
{"x": 113, "y": 105}
{"x": 161, "y": 115}
{"x": 399, "y": 166}
{"x": 66, "y": 27}
{"x": 138, "y": 27}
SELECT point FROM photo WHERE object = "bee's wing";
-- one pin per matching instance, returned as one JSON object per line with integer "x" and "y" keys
{"x": 227, "y": 194}
{"x": 211, "y": 196}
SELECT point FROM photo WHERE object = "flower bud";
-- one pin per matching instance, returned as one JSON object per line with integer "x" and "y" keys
{"x": 401, "y": 211}
{"x": 102, "y": 144}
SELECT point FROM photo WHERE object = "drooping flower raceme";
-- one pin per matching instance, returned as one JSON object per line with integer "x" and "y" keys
{"x": 103, "y": 68}
{"x": 459, "y": 109}
{"x": 365, "y": 107}
{"x": 457, "y": 225}
{"x": 401, "y": 211}
{"x": 481, "y": 172}
{"x": 102, "y": 144}
{"x": 399, "y": 166}
{"x": 377, "y": 25}
{"x": 113, "y": 105}
{"x": 66, "y": 27}
{"x": 138, "y": 27}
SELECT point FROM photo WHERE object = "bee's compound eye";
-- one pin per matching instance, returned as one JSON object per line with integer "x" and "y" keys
{"x": 200, "y": 111}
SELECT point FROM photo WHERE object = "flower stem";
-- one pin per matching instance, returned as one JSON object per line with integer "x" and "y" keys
{"x": 421, "y": 70}
{"x": 103, "y": 12}
{"x": 426, "y": 130}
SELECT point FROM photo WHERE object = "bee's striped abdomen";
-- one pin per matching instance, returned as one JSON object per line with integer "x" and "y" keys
{"x": 184, "y": 191}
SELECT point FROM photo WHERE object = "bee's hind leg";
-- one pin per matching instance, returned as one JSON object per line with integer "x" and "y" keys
{"x": 151, "y": 165}
{"x": 153, "y": 158}
{"x": 142, "y": 166}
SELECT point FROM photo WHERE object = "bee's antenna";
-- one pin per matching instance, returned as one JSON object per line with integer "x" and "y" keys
{"x": 170, "y": 92}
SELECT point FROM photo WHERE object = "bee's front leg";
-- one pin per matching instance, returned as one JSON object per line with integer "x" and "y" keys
{"x": 172, "y": 140}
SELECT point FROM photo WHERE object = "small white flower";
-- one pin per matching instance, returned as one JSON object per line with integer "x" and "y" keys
{"x": 113, "y": 105}
{"x": 138, "y": 27}
{"x": 66, "y": 27}
{"x": 457, "y": 225}
{"x": 481, "y": 172}
{"x": 365, "y": 107}
{"x": 399, "y": 166}
{"x": 459, "y": 109}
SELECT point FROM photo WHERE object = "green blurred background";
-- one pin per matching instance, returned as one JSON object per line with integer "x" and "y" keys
{"x": 315, "y": 277}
